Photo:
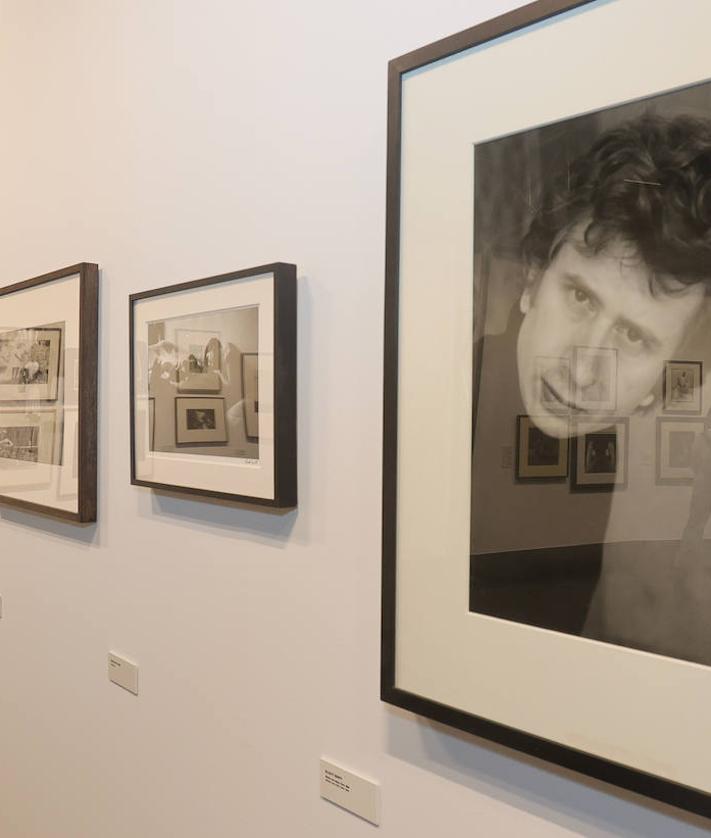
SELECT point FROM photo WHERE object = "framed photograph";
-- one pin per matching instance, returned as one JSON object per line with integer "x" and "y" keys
{"x": 682, "y": 387}
{"x": 539, "y": 456}
{"x": 48, "y": 393}
{"x": 545, "y": 236}
{"x": 200, "y": 421}
{"x": 194, "y": 338}
{"x": 600, "y": 456}
{"x": 29, "y": 364}
{"x": 677, "y": 450}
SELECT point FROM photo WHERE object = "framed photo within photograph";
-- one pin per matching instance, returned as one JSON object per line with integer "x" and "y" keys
{"x": 200, "y": 421}
{"x": 193, "y": 339}
{"x": 682, "y": 387}
{"x": 545, "y": 236}
{"x": 29, "y": 364}
{"x": 48, "y": 393}
{"x": 677, "y": 450}
{"x": 600, "y": 456}
{"x": 199, "y": 360}
{"x": 595, "y": 376}
{"x": 539, "y": 456}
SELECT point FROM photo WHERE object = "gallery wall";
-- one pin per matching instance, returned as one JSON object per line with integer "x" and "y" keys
{"x": 169, "y": 141}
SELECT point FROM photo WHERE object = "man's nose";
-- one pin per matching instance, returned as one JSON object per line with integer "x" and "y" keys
{"x": 586, "y": 369}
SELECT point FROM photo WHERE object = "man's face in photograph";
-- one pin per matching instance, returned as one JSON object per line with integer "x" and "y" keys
{"x": 597, "y": 301}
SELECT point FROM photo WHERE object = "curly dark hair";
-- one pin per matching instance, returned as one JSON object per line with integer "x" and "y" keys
{"x": 646, "y": 183}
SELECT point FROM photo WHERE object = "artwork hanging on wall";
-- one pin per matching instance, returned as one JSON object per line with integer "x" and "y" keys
{"x": 213, "y": 386}
{"x": 48, "y": 393}
{"x": 682, "y": 386}
{"x": 599, "y": 455}
{"x": 538, "y": 456}
{"x": 559, "y": 225}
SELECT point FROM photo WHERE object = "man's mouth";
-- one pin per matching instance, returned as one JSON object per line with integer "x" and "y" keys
{"x": 555, "y": 396}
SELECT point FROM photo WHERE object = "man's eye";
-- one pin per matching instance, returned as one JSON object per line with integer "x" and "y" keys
{"x": 579, "y": 298}
{"x": 633, "y": 335}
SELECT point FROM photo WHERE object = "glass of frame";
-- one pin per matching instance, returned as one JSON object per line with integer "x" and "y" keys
{"x": 213, "y": 386}
{"x": 48, "y": 391}
{"x": 575, "y": 299}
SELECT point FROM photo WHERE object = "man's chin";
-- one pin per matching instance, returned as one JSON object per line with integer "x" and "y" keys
{"x": 553, "y": 425}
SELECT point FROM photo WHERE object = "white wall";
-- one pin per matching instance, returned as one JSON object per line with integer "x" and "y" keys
{"x": 169, "y": 141}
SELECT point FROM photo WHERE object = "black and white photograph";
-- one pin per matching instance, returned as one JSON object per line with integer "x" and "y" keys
{"x": 683, "y": 387}
{"x": 200, "y": 421}
{"x": 213, "y": 386}
{"x": 28, "y": 437}
{"x": 600, "y": 457}
{"x": 594, "y": 267}
{"x": 549, "y": 232}
{"x": 30, "y": 363}
{"x": 202, "y": 353}
{"x": 539, "y": 456}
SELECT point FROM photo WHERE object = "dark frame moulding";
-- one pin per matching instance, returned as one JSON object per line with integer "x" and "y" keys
{"x": 616, "y": 774}
{"x": 88, "y": 390}
{"x": 285, "y": 435}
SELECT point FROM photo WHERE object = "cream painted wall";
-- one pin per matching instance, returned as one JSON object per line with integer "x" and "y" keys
{"x": 169, "y": 141}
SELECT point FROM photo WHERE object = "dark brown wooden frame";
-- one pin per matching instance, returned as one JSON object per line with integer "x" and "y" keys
{"x": 623, "y": 776}
{"x": 88, "y": 316}
{"x": 285, "y": 437}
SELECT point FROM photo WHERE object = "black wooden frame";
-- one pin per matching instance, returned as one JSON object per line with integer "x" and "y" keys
{"x": 88, "y": 316}
{"x": 285, "y": 437}
{"x": 623, "y": 776}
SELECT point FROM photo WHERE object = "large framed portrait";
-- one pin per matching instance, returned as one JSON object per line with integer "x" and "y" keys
{"x": 48, "y": 393}
{"x": 553, "y": 240}
{"x": 200, "y": 353}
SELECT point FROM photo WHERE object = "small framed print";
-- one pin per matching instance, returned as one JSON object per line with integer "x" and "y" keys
{"x": 539, "y": 456}
{"x": 199, "y": 361}
{"x": 682, "y": 387}
{"x": 595, "y": 376}
{"x": 250, "y": 383}
{"x": 600, "y": 455}
{"x": 48, "y": 393}
{"x": 28, "y": 437}
{"x": 200, "y": 421}
{"x": 29, "y": 363}
{"x": 219, "y": 335}
{"x": 676, "y": 451}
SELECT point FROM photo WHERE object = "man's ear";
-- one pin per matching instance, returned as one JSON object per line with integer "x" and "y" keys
{"x": 526, "y": 300}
